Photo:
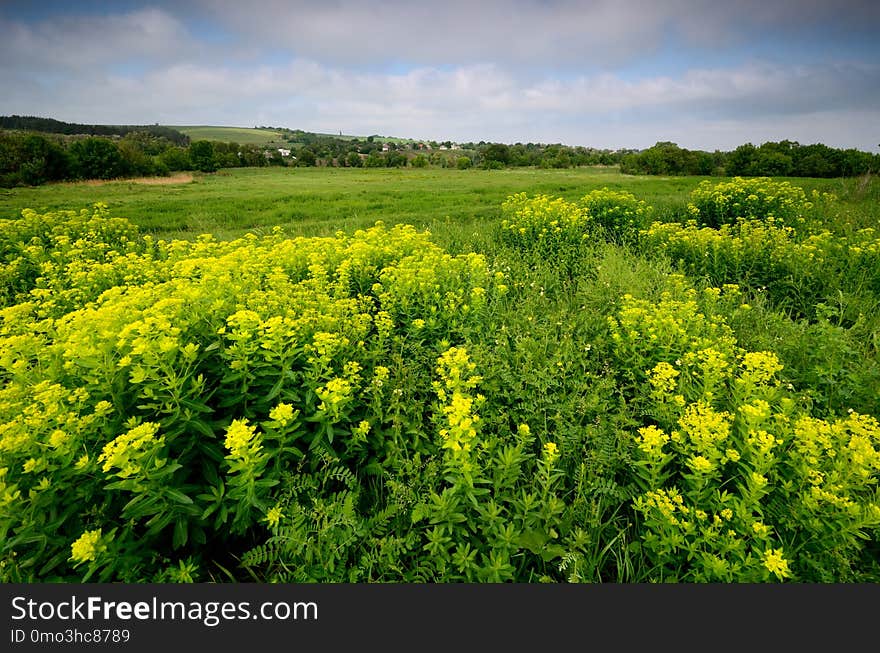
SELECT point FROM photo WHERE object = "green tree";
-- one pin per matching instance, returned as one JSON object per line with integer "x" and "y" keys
{"x": 498, "y": 152}
{"x": 201, "y": 153}
{"x": 175, "y": 159}
{"x": 97, "y": 158}
{"x": 353, "y": 160}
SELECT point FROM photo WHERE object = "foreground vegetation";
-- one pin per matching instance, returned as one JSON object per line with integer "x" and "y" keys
{"x": 573, "y": 376}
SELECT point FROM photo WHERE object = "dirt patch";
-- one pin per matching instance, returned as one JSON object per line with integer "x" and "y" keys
{"x": 180, "y": 178}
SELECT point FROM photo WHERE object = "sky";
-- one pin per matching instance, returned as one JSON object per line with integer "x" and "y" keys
{"x": 608, "y": 74}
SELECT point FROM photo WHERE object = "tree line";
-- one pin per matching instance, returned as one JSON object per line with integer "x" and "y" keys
{"x": 772, "y": 159}
{"x": 30, "y": 159}
{"x": 52, "y": 126}
{"x": 71, "y": 151}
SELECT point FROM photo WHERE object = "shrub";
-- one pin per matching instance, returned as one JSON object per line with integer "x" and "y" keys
{"x": 158, "y": 394}
{"x": 715, "y": 204}
{"x": 738, "y": 483}
{"x": 619, "y": 213}
{"x": 551, "y": 227}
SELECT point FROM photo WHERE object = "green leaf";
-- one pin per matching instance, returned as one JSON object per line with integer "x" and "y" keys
{"x": 178, "y": 496}
{"x": 180, "y": 534}
{"x": 534, "y": 541}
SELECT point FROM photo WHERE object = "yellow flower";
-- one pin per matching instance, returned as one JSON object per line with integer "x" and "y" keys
{"x": 274, "y": 516}
{"x": 523, "y": 430}
{"x": 701, "y": 464}
{"x": 87, "y": 547}
{"x": 551, "y": 452}
{"x": 776, "y": 563}
{"x": 361, "y": 431}
{"x": 761, "y": 530}
{"x": 282, "y": 413}
{"x": 652, "y": 440}
{"x": 240, "y": 438}
{"x": 124, "y": 451}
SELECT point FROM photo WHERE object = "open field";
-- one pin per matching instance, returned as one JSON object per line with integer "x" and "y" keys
{"x": 564, "y": 381}
{"x": 243, "y": 135}
{"x": 316, "y": 201}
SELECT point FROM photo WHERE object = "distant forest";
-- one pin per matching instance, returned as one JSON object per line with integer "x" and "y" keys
{"x": 52, "y": 126}
{"x": 37, "y": 150}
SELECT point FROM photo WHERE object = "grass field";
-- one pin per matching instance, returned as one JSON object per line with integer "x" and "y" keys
{"x": 537, "y": 391}
{"x": 313, "y": 201}
{"x": 243, "y": 135}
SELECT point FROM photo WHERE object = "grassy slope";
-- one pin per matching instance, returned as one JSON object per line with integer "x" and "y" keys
{"x": 244, "y": 135}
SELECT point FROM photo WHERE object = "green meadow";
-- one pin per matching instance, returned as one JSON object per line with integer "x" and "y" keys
{"x": 312, "y": 201}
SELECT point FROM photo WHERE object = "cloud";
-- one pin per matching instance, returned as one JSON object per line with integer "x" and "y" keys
{"x": 486, "y": 102}
{"x": 548, "y": 70}
{"x": 562, "y": 34}
{"x": 70, "y": 44}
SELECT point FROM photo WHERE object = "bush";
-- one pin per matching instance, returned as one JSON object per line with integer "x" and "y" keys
{"x": 759, "y": 198}
{"x": 97, "y": 158}
{"x": 619, "y": 213}
{"x": 463, "y": 163}
{"x": 158, "y": 424}
{"x": 737, "y": 482}
{"x": 550, "y": 227}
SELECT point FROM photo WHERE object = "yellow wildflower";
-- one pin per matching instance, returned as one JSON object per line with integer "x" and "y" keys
{"x": 87, "y": 547}
{"x": 775, "y": 563}
{"x": 282, "y": 413}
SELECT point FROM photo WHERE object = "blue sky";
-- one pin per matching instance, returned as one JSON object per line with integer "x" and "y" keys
{"x": 604, "y": 73}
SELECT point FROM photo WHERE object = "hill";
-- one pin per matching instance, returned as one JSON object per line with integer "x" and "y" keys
{"x": 243, "y": 135}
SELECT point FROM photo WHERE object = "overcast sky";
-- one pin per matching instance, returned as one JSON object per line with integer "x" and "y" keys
{"x": 600, "y": 73}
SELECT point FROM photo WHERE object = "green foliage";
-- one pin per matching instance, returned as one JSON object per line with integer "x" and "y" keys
{"x": 31, "y": 160}
{"x": 739, "y": 483}
{"x": 618, "y": 213}
{"x": 770, "y": 159}
{"x": 368, "y": 406}
{"x": 201, "y": 155}
{"x": 97, "y": 158}
{"x": 761, "y": 198}
{"x": 798, "y": 272}
{"x": 353, "y": 160}
{"x": 177, "y": 389}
